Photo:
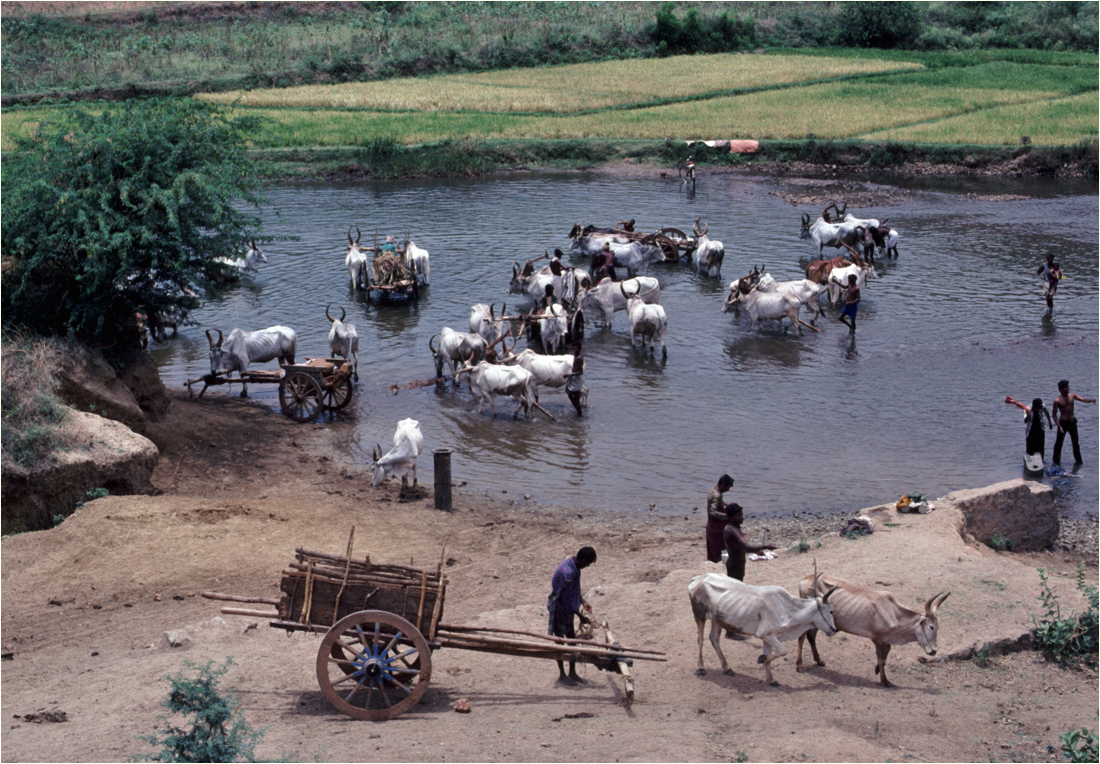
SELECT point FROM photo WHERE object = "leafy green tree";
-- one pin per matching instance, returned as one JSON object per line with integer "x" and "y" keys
{"x": 878, "y": 24}
{"x": 127, "y": 210}
{"x": 218, "y": 730}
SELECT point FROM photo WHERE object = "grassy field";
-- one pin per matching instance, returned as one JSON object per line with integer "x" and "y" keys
{"x": 779, "y": 97}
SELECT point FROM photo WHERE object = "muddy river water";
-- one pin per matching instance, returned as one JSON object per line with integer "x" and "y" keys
{"x": 819, "y": 422}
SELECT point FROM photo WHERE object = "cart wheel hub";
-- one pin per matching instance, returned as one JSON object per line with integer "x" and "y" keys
{"x": 373, "y": 668}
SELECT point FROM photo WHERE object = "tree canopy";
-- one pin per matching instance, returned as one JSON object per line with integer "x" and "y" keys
{"x": 129, "y": 209}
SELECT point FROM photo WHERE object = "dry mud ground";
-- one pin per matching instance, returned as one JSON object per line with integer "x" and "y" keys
{"x": 86, "y": 603}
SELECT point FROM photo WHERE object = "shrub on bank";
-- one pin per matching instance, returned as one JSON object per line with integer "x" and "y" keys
{"x": 32, "y": 411}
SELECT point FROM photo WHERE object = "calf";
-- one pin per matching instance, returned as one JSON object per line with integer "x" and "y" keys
{"x": 769, "y": 612}
{"x": 874, "y": 615}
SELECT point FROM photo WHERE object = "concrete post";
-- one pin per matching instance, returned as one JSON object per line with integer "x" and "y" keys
{"x": 443, "y": 479}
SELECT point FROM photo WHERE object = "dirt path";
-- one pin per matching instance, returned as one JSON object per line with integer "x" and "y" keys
{"x": 85, "y": 606}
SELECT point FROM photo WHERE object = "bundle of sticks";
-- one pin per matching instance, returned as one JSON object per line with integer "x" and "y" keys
{"x": 388, "y": 269}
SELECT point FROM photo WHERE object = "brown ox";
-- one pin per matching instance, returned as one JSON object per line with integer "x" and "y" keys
{"x": 874, "y": 615}
{"x": 818, "y": 271}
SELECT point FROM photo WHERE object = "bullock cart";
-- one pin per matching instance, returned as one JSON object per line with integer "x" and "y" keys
{"x": 305, "y": 389}
{"x": 381, "y": 624}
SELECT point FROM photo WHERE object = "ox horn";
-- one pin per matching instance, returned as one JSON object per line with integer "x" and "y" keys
{"x": 515, "y": 268}
{"x": 933, "y": 603}
{"x": 350, "y": 242}
{"x": 358, "y": 234}
{"x": 326, "y": 313}
{"x": 825, "y": 599}
{"x": 220, "y": 338}
{"x": 434, "y": 351}
{"x": 209, "y": 338}
{"x": 491, "y": 315}
{"x": 805, "y": 219}
{"x": 376, "y": 452}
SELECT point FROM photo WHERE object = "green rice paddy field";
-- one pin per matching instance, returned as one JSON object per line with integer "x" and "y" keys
{"x": 773, "y": 96}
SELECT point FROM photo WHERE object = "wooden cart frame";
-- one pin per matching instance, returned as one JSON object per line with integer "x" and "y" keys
{"x": 381, "y": 624}
{"x": 305, "y": 390}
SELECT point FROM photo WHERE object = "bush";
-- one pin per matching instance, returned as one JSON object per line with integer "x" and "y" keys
{"x": 218, "y": 730}
{"x": 1066, "y": 638}
{"x": 1079, "y": 745}
{"x": 878, "y": 24}
{"x": 122, "y": 212}
{"x": 31, "y": 410}
{"x": 999, "y": 543}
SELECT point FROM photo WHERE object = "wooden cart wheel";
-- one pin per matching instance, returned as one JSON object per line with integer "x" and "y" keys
{"x": 300, "y": 396}
{"x": 373, "y": 665}
{"x": 337, "y": 396}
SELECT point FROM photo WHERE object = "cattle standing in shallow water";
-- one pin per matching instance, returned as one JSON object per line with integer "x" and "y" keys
{"x": 236, "y": 352}
{"x": 356, "y": 262}
{"x": 343, "y": 340}
{"x": 874, "y": 615}
{"x": 708, "y": 252}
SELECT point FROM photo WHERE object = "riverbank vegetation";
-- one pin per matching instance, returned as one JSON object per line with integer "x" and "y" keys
{"x": 32, "y": 411}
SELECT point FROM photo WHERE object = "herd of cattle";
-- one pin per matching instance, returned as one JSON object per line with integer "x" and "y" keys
{"x": 565, "y": 297}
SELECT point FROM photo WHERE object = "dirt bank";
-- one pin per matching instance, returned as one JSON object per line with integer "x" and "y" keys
{"x": 85, "y": 605}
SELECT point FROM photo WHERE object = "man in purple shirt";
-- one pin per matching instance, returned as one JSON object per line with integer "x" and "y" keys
{"x": 565, "y": 600}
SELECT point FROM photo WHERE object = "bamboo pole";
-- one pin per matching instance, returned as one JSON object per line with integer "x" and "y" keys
{"x": 470, "y": 640}
{"x": 235, "y": 598}
{"x": 245, "y": 611}
{"x": 624, "y": 668}
{"x": 535, "y": 635}
{"x": 423, "y": 593}
{"x": 540, "y": 408}
{"x": 811, "y": 326}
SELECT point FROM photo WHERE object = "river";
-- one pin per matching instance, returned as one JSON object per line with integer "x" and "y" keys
{"x": 814, "y": 423}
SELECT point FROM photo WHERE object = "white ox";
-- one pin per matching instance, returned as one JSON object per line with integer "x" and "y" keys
{"x": 235, "y": 352}
{"x": 805, "y": 290}
{"x": 343, "y": 340}
{"x": 769, "y": 612}
{"x": 488, "y": 379}
{"x": 416, "y": 260}
{"x": 838, "y": 279}
{"x": 764, "y": 305}
{"x": 606, "y": 298}
{"x": 553, "y": 328}
{"x": 874, "y": 615}
{"x": 232, "y": 270}
{"x": 635, "y": 256}
{"x": 649, "y": 321}
{"x": 708, "y": 252}
{"x": 356, "y": 262}
{"x": 833, "y": 234}
{"x": 548, "y": 370}
{"x": 408, "y": 442}
{"x": 869, "y": 225}
{"x": 455, "y": 349}
{"x": 485, "y": 323}
{"x": 532, "y": 286}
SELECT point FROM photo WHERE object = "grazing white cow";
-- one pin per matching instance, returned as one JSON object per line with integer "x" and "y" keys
{"x": 708, "y": 252}
{"x": 489, "y": 379}
{"x": 874, "y": 615}
{"x": 805, "y": 290}
{"x": 455, "y": 348}
{"x": 408, "y": 442}
{"x": 838, "y": 279}
{"x": 649, "y": 321}
{"x": 769, "y": 612}
{"x": 343, "y": 340}
{"x": 235, "y": 352}
{"x": 416, "y": 260}
{"x": 606, "y": 298}
{"x": 356, "y": 262}
{"x": 548, "y": 370}
{"x": 485, "y": 323}
{"x": 764, "y": 305}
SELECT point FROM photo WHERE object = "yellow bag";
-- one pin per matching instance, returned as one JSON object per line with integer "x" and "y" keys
{"x": 903, "y": 502}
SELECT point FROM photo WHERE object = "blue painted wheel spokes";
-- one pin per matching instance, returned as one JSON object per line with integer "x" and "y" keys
{"x": 373, "y": 665}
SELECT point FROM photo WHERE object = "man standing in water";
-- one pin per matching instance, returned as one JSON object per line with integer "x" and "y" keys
{"x": 851, "y": 304}
{"x": 1067, "y": 422}
{"x": 1051, "y": 273}
{"x": 565, "y": 601}
{"x": 574, "y": 379}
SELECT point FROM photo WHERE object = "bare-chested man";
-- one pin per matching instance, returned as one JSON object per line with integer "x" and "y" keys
{"x": 1067, "y": 422}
